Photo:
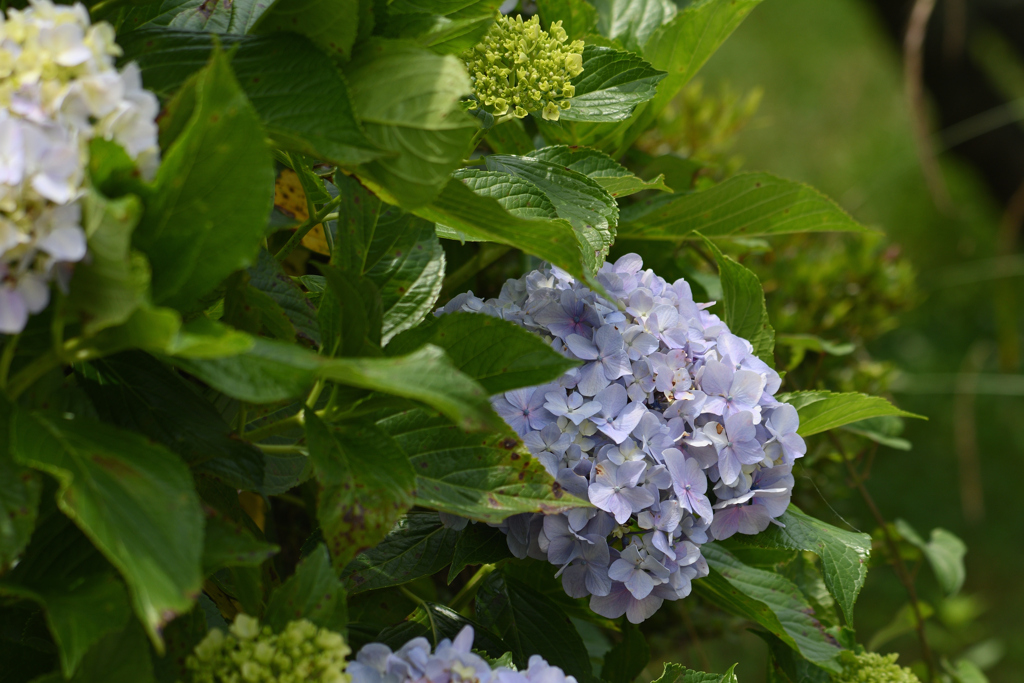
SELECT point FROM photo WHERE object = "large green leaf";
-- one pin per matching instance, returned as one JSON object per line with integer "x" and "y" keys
{"x": 485, "y": 477}
{"x": 193, "y": 243}
{"x": 194, "y": 15}
{"x": 578, "y": 17}
{"x": 499, "y": 355}
{"x": 611, "y": 86}
{"x": 328, "y": 23}
{"x": 229, "y": 544}
{"x": 310, "y": 115}
{"x": 518, "y": 196}
{"x": 821, "y": 411}
{"x": 478, "y": 544}
{"x": 531, "y": 624}
{"x": 744, "y": 309}
{"x": 356, "y": 234}
{"x": 844, "y": 554}
{"x": 350, "y": 315}
{"x": 435, "y": 622}
{"x": 624, "y": 662}
{"x": 268, "y": 277}
{"x": 274, "y": 371}
{"x": 365, "y": 481}
{"x": 408, "y": 101}
{"x": 770, "y": 600}
{"x": 314, "y": 592}
{"x": 482, "y": 218}
{"x": 616, "y": 180}
{"x": 443, "y": 28}
{"x": 945, "y": 553}
{"x": 119, "y": 657}
{"x": 632, "y": 22}
{"x": 20, "y": 489}
{"x": 577, "y": 198}
{"x": 418, "y": 545}
{"x": 133, "y": 499}
{"x": 746, "y": 205}
{"x": 677, "y": 673}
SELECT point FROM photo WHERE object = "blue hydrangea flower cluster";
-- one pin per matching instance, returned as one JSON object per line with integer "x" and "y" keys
{"x": 452, "y": 662}
{"x": 670, "y": 429}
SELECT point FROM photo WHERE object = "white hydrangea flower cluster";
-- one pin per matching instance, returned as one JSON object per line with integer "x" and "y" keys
{"x": 59, "y": 88}
{"x": 667, "y": 404}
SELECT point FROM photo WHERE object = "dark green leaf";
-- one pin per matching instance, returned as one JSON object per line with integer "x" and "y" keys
{"x": 609, "y": 174}
{"x": 821, "y": 411}
{"x": 228, "y": 544}
{"x": 135, "y": 501}
{"x": 627, "y": 659}
{"x": 314, "y": 592}
{"x": 510, "y": 137}
{"x": 268, "y": 277}
{"x": 945, "y": 553}
{"x": 770, "y": 600}
{"x": 436, "y": 622}
{"x": 747, "y": 205}
{"x": 419, "y": 545}
{"x": 120, "y": 657}
{"x": 20, "y": 489}
{"x": 356, "y": 233}
{"x": 677, "y": 673}
{"x": 192, "y": 243}
{"x": 408, "y": 101}
{"x": 632, "y": 22}
{"x": 744, "y": 309}
{"x": 485, "y": 477}
{"x": 578, "y": 17}
{"x": 499, "y": 355}
{"x": 611, "y": 86}
{"x": 796, "y": 668}
{"x": 329, "y": 24}
{"x": 351, "y": 314}
{"x": 844, "y": 554}
{"x": 445, "y": 30}
{"x": 518, "y": 196}
{"x": 360, "y": 497}
{"x": 478, "y": 544}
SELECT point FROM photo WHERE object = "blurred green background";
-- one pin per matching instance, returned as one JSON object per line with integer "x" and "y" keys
{"x": 834, "y": 114}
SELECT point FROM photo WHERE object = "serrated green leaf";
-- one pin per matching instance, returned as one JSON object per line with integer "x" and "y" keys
{"x": 134, "y": 499}
{"x": 328, "y": 23}
{"x": 192, "y": 243}
{"x": 632, "y": 22}
{"x": 268, "y": 277}
{"x": 744, "y": 309}
{"x": 192, "y": 15}
{"x": 624, "y": 662}
{"x": 577, "y": 198}
{"x": 796, "y": 668}
{"x": 677, "y": 673}
{"x": 609, "y": 174}
{"x": 821, "y": 411}
{"x": 770, "y": 600}
{"x": 748, "y": 205}
{"x": 485, "y": 477}
{"x": 119, "y": 657}
{"x": 20, "y": 489}
{"x": 418, "y": 545}
{"x": 360, "y": 498}
{"x": 228, "y": 544}
{"x": 357, "y": 225}
{"x": 436, "y": 622}
{"x": 518, "y": 196}
{"x": 499, "y": 355}
{"x": 444, "y": 30}
{"x": 313, "y": 592}
{"x": 578, "y": 17}
{"x": 408, "y": 101}
{"x": 611, "y": 86}
{"x": 478, "y": 544}
{"x": 945, "y": 553}
{"x": 844, "y": 554}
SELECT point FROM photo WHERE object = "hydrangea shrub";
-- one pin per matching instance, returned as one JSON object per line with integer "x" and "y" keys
{"x": 223, "y": 399}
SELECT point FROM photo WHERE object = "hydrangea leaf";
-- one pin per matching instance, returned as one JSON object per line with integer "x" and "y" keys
{"x": 499, "y": 355}
{"x": 238, "y": 16}
{"x": 609, "y": 174}
{"x": 532, "y": 624}
{"x": 356, "y": 232}
{"x": 310, "y": 115}
{"x": 274, "y": 371}
{"x": 744, "y": 309}
{"x": 267, "y": 276}
{"x": 229, "y": 544}
{"x": 360, "y": 498}
{"x": 612, "y": 85}
{"x": 821, "y": 411}
{"x": 408, "y": 101}
{"x": 194, "y": 244}
{"x": 677, "y": 673}
{"x": 792, "y": 664}
{"x": 844, "y": 554}
{"x": 119, "y": 657}
{"x": 945, "y": 553}
{"x": 328, "y": 23}
{"x": 132, "y": 498}
{"x": 485, "y": 477}
{"x": 350, "y": 314}
{"x": 518, "y": 196}
{"x": 624, "y": 662}
{"x": 770, "y": 600}
{"x": 446, "y": 33}
{"x": 632, "y": 22}
{"x": 746, "y": 205}
{"x": 578, "y": 17}
{"x": 418, "y": 545}
{"x": 20, "y": 489}
{"x": 478, "y": 544}
{"x": 577, "y": 198}
{"x": 313, "y": 592}
{"x": 434, "y": 622}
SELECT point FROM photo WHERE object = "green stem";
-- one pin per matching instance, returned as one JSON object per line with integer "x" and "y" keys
{"x": 422, "y": 604}
{"x": 282, "y": 449}
{"x": 300, "y": 232}
{"x": 32, "y": 372}
{"x": 314, "y": 395}
{"x": 260, "y": 433}
{"x": 462, "y": 598}
{"x": 7, "y": 358}
{"x": 488, "y": 254}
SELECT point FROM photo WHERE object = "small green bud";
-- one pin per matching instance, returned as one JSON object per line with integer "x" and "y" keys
{"x": 551, "y": 112}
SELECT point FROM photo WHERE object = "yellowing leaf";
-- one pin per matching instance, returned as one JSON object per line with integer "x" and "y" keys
{"x": 290, "y": 200}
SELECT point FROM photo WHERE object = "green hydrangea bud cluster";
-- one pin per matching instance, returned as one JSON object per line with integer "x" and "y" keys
{"x": 521, "y": 67}
{"x": 871, "y": 667}
{"x": 249, "y": 654}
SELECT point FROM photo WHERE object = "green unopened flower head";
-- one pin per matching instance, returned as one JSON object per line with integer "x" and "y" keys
{"x": 521, "y": 68}
{"x": 871, "y": 667}
{"x": 250, "y": 654}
